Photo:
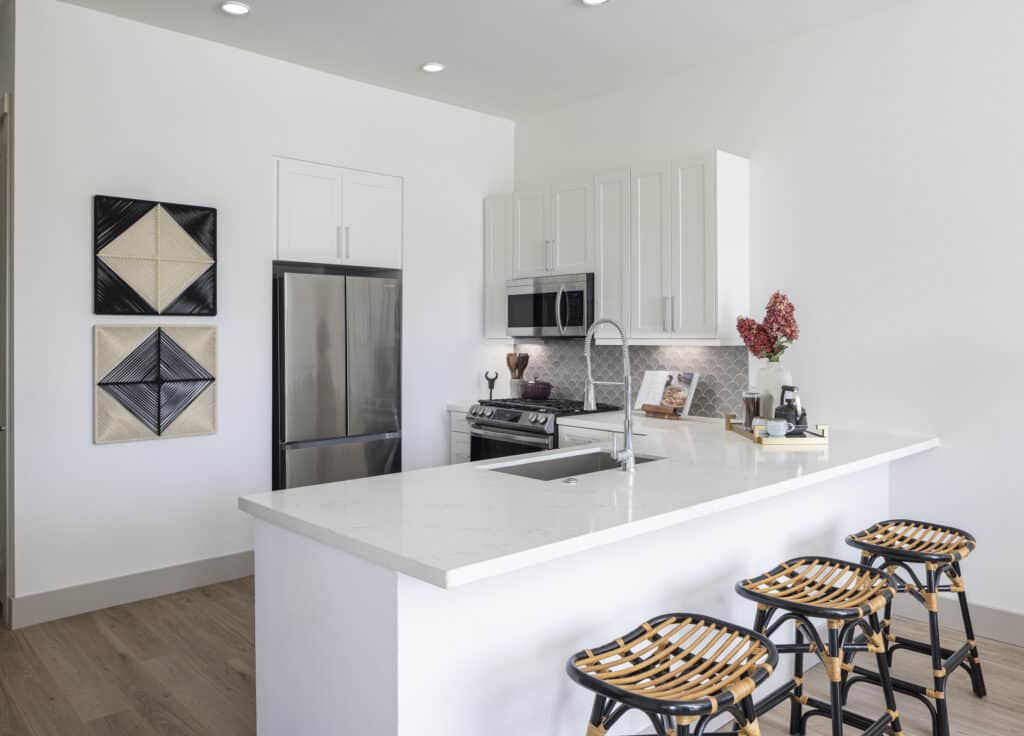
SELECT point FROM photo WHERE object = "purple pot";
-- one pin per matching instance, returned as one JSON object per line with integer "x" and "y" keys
{"x": 536, "y": 390}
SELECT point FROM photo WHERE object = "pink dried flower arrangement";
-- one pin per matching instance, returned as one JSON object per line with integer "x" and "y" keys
{"x": 769, "y": 339}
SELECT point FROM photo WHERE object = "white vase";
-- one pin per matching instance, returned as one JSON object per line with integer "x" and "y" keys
{"x": 770, "y": 380}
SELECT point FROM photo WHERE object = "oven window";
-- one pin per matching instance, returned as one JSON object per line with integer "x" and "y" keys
{"x": 532, "y": 310}
{"x": 485, "y": 448}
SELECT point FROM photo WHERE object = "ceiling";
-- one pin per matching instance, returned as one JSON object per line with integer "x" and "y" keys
{"x": 507, "y": 57}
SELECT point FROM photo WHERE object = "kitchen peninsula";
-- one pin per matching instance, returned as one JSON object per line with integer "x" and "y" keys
{"x": 446, "y": 600}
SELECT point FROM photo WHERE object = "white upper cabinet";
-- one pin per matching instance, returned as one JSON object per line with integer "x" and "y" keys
{"x": 327, "y": 214}
{"x": 650, "y": 252}
{"x": 569, "y": 226}
{"x": 690, "y": 250}
{"x": 611, "y": 249}
{"x": 668, "y": 243}
{"x": 308, "y": 212}
{"x": 532, "y": 254}
{"x": 498, "y": 235}
{"x": 371, "y": 220}
{"x": 553, "y": 230}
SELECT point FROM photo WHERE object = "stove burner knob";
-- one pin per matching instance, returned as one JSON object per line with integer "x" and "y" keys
{"x": 473, "y": 410}
{"x": 533, "y": 419}
{"x": 488, "y": 412}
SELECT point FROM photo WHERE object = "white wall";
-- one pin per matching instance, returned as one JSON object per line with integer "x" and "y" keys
{"x": 886, "y": 158}
{"x": 109, "y": 106}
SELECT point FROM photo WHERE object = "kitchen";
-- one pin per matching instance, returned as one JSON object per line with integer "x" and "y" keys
{"x": 385, "y": 482}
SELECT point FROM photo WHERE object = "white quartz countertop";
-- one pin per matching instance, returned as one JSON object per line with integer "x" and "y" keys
{"x": 455, "y": 524}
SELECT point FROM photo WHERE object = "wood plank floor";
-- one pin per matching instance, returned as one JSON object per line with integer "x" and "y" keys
{"x": 183, "y": 665}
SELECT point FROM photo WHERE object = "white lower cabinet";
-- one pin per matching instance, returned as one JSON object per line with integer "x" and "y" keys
{"x": 458, "y": 438}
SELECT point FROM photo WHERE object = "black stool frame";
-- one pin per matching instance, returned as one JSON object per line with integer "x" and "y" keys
{"x": 681, "y": 718}
{"x": 836, "y": 653}
{"x": 897, "y": 564}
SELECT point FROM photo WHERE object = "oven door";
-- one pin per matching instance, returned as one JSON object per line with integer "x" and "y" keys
{"x": 487, "y": 443}
{"x": 551, "y": 306}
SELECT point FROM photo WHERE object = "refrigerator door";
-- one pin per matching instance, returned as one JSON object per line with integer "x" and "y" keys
{"x": 374, "y": 307}
{"x": 343, "y": 461}
{"x": 313, "y": 324}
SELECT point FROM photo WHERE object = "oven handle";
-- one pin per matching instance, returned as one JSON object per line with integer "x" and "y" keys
{"x": 558, "y": 310}
{"x": 514, "y": 437}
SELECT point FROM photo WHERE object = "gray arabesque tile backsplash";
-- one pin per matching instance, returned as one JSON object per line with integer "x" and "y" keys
{"x": 723, "y": 371}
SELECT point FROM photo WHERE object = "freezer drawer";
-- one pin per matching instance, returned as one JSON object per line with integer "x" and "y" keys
{"x": 314, "y": 363}
{"x": 374, "y": 354}
{"x": 346, "y": 460}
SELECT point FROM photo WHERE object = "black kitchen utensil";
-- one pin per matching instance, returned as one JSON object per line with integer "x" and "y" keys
{"x": 490, "y": 382}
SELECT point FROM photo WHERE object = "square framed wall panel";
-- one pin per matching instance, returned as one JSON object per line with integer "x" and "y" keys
{"x": 153, "y": 382}
{"x": 154, "y": 258}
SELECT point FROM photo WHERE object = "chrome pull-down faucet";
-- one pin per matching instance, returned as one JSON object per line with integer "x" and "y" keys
{"x": 627, "y": 460}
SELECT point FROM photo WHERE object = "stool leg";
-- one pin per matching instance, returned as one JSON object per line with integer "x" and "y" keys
{"x": 883, "y": 674}
{"x": 795, "y": 709}
{"x": 835, "y": 651}
{"x": 977, "y": 679}
{"x": 887, "y": 630}
{"x": 938, "y": 671}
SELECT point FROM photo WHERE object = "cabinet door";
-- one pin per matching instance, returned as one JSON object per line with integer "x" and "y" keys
{"x": 371, "y": 220}
{"x": 497, "y": 263}
{"x": 308, "y": 212}
{"x": 531, "y": 253}
{"x": 569, "y": 226}
{"x": 649, "y": 251}
{"x": 611, "y": 246}
{"x": 692, "y": 288}
{"x": 460, "y": 448}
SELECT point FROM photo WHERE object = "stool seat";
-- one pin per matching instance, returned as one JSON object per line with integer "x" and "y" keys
{"x": 821, "y": 587}
{"x": 914, "y": 541}
{"x": 679, "y": 664}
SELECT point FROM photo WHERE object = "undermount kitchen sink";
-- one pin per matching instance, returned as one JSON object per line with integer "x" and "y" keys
{"x": 568, "y": 466}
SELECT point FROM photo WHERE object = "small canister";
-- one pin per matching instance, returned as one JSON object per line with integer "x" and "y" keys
{"x": 751, "y": 409}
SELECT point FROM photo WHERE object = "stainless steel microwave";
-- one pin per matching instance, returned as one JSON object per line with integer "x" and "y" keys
{"x": 551, "y": 306}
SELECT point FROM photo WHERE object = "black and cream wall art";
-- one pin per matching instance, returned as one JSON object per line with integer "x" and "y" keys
{"x": 154, "y": 381}
{"x": 154, "y": 258}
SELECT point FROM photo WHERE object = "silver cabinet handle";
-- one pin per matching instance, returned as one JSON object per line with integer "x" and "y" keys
{"x": 667, "y": 312}
{"x": 672, "y": 313}
{"x": 348, "y": 246}
{"x": 337, "y": 243}
{"x": 554, "y": 255}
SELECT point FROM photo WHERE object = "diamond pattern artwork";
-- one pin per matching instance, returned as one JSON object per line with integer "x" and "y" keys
{"x": 723, "y": 371}
{"x": 154, "y": 258}
{"x": 154, "y": 382}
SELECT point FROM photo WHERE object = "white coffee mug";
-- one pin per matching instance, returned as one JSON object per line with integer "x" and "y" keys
{"x": 779, "y": 427}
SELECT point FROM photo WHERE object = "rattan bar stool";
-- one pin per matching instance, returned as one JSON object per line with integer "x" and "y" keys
{"x": 848, "y": 597}
{"x": 680, "y": 669}
{"x": 895, "y": 545}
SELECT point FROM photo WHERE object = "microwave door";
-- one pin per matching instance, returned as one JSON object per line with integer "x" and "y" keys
{"x": 533, "y": 314}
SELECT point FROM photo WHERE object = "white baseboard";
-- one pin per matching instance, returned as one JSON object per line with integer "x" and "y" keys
{"x": 989, "y": 622}
{"x": 53, "y": 604}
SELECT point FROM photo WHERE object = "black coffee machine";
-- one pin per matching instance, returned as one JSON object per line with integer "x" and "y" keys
{"x": 792, "y": 410}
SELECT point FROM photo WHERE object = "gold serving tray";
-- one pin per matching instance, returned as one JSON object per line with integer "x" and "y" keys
{"x": 760, "y": 437}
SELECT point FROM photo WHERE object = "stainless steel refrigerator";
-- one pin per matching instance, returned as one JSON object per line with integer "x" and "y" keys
{"x": 337, "y": 374}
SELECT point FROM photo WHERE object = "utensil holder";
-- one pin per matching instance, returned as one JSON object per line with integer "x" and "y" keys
{"x": 515, "y": 388}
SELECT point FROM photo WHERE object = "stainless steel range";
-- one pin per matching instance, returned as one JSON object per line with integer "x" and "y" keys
{"x": 505, "y": 427}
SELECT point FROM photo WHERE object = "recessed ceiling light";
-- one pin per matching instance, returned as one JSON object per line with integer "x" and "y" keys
{"x": 234, "y": 7}
{"x": 591, "y": 3}
{"x": 433, "y": 67}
